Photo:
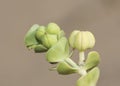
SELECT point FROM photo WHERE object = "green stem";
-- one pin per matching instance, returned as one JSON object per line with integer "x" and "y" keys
{"x": 81, "y": 58}
{"x": 82, "y": 71}
{"x": 80, "y": 68}
{"x": 71, "y": 62}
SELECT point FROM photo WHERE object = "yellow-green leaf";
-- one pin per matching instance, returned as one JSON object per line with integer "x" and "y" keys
{"x": 58, "y": 52}
{"x": 89, "y": 79}
{"x": 65, "y": 69}
{"x": 53, "y": 28}
{"x": 40, "y": 48}
{"x": 60, "y": 34}
{"x": 93, "y": 60}
{"x": 30, "y": 36}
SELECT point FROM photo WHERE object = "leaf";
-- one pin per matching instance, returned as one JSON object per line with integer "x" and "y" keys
{"x": 40, "y": 48}
{"x": 90, "y": 79}
{"x": 65, "y": 69}
{"x": 60, "y": 34}
{"x": 58, "y": 52}
{"x": 49, "y": 40}
{"x": 52, "y": 28}
{"x": 93, "y": 60}
{"x": 30, "y": 36}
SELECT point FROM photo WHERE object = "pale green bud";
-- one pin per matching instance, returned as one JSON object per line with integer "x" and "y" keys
{"x": 53, "y": 28}
{"x": 40, "y": 32}
{"x": 72, "y": 38}
{"x": 49, "y": 40}
{"x": 82, "y": 40}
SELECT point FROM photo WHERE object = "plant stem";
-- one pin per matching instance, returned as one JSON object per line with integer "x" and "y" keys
{"x": 81, "y": 58}
{"x": 80, "y": 68}
{"x": 71, "y": 62}
{"x": 82, "y": 71}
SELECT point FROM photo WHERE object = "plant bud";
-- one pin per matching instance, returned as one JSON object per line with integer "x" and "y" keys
{"x": 53, "y": 28}
{"x": 49, "y": 40}
{"x": 72, "y": 38}
{"x": 40, "y": 31}
{"x": 82, "y": 40}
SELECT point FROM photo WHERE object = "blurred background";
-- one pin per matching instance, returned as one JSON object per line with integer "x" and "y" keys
{"x": 20, "y": 67}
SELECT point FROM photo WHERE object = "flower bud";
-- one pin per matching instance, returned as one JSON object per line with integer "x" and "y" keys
{"x": 40, "y": 32}
{"x": 49, "y": 40}
{"x": 72, "y": 38}
{"x": 82, "y": 40}
{"x": 53, "y": 28}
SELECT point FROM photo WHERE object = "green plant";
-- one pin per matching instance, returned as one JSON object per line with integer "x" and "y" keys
{"x": 51, "y": 40}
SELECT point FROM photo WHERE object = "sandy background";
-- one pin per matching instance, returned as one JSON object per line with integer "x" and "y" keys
{"x": 20, "y": 67}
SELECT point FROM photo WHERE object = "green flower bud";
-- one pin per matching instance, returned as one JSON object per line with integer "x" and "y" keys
{"x": 82, "y": 40}
{"x": 49, "y": 40}
{"x": 40, "y": 32}
{"x": 53, "y": 28}
{"x": 72, "y": 38}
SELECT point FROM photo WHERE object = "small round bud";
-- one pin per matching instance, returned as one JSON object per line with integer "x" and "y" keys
{"x": 82, "y": 40}
{"x": 72, "y": 38}
{"x": 49, "y": 40}
{"x": 53, "y": 28}
{"x": 40, "y": 32}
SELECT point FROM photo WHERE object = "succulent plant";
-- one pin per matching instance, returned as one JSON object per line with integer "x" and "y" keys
{"x": 51, "y": 40}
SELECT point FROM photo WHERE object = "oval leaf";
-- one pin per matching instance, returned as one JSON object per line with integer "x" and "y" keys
{"x": 30, "y": 36}
{"x": 61, "y": 34}
{"x": 93, "y": 60}
{"x": 58, "y": 52}
{"x": 65, "y": 69}
{"x": 90, "y": 79}
{"x": 39, "y": 48}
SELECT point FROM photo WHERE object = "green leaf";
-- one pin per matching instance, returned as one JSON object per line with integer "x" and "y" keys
{"x": 40, "y": 32}
{"x": 89, "y": 79}
{"x": 48, "y": 40}
{"x": 65, "y": 69}
{"x": 30, "y": 36}
{"x": 58, "y": 52}
{"x": 93, "y": 60}
{"x": 52, "y": 28}
{"x": 40, "y": 48}
{"x": 60, "y": 34}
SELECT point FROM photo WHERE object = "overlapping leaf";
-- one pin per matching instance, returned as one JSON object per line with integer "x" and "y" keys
{"x": 90, "y": 79}
{"x": 65, "y": 69}
{"x": 40, "y": 48}
{"x": 30, "y": 39}
{"x": 59, "y": 51}
{"x": 93, "y": 60}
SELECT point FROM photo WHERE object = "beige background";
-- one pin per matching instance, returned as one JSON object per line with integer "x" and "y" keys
{"x": 20, "y": 67}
